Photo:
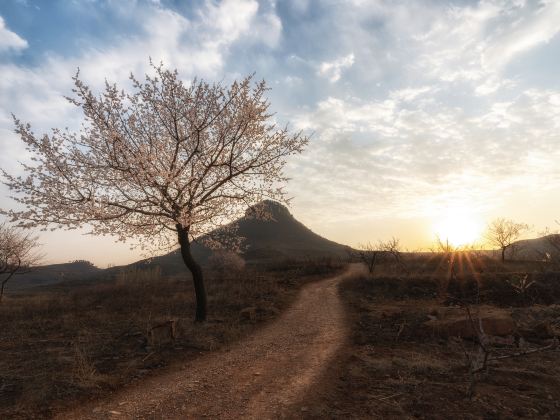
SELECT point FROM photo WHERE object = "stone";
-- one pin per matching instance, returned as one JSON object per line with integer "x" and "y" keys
{"x": 454, "y": 322}
{"x": 541, "y": 330}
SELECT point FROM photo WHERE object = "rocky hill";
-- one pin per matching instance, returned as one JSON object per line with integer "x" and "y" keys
{"x": 277, "y": 236}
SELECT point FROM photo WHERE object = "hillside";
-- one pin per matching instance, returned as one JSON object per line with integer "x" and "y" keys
{"x": 47, "y": 275}
{"x": 538, "y": 248}
{"x": 276, "y": 237}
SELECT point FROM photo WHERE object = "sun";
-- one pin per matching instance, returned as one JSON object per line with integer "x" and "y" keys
{"x": 459, "y": 228}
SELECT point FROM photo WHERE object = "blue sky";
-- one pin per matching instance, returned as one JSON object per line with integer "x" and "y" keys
{"x": 420, "y": 109}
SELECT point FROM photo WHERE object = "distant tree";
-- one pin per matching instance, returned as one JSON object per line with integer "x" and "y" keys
{"x": 451, "y": 256}
{"x": 503, "y": 233}
{"x": 393, "y": 248}
{"x": 17, "y": 254}
{"x": 168, "y": 163}
{"x": 368, "y": 254}
{"x": 372, "y": 253}
{"x": 226, "y": 262}
{"x": 450, "y": 253}
{"x": 83, "y": 262}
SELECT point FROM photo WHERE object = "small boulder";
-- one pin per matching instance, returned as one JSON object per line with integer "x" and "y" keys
{"x": 456, "y": 323}
{"x": 539, "y": 331}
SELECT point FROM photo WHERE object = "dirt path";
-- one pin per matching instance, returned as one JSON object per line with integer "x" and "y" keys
{"x": 261, "y": 377}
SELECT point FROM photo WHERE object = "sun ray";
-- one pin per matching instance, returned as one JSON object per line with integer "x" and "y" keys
{"x": 458, "y": 228}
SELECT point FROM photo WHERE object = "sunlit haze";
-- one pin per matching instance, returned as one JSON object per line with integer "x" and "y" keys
{"x": 459, "y": 228}
{"x": 427, "y": 117}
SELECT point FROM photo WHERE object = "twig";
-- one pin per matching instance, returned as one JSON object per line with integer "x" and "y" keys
{"x": 148, "y": 356}
{"x": 551, "y": 346}
{"x": 388, "y": 396}
{"x": 401, "y": 329}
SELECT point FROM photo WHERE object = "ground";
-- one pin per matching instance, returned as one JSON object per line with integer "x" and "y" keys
{"x": 397, "y": 367}
{"x": 358, "y": 345}
{"x": 268, "y": 375}
{"x": 70, "y": 344}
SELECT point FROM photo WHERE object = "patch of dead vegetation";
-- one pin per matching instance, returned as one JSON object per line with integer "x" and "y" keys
{"x": 78, "y": 343}
{"x": 398, "y": 366}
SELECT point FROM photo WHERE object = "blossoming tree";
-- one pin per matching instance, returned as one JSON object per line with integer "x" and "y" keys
{"x": 168, "y": 162}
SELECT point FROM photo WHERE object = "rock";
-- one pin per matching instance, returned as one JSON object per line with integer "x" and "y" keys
{"x": 454, "y": 322}
{"x": 248, "y": 314}
{"x": 541, "y": 330}
{"x": 508, "y": 341}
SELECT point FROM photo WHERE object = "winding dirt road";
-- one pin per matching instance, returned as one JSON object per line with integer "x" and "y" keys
{"x": 262, "y": 377}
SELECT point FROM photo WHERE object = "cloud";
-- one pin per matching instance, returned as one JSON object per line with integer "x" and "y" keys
{"x": 10, "y": 40}
{"x": 474, "y": 44}
{"x": 413, "y": 105}
{"x": 408, "y": 155}
{"x": 529, "y": 25}
{"x": 198, "y": 47}
{"x": 227, "y": 21}
{"x": 333, "y": 70}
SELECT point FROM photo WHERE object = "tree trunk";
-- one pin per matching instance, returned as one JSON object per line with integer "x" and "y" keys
{"x": 2, "y": 289}
{"x": 5, "y": 281}
{"x": 196, "y": 271}
{"x": 503, "y": 254}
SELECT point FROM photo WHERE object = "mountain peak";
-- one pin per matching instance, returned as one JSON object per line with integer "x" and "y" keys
{"x": 268, "y": 209}
{"x": 275, "y": 235}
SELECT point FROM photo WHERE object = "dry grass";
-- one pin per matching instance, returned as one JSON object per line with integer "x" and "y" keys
{"x": 396, "y": 368}
{"x": 76, "y": 343}
{"x": 428, "y": 277}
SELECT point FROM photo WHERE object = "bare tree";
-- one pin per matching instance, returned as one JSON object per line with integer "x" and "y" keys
{"x": 393, "y": 248}
{"x": 450, "y": 254}
{"x": 368, "y": 254}
{"x": 167, "y": 163}
{"x": 503, "y": 233}
{"x": 226, "y": 262}
{"x": 373, "y": 253}
{"x": 17, "y": 254}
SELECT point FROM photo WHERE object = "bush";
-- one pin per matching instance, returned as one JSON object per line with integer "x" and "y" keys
{"x": 224, "y": 262}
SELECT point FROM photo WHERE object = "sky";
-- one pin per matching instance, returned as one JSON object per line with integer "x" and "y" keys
{"x": 422, "y": 113}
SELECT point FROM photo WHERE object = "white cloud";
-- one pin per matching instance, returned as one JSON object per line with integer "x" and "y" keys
{"x": 10, "y": 40}
{"x": 332, "y": 70}
{"x": 412, "y": 155}
{"x": 267, "y": 29}
{"x": 425, "y": 115}
{"x": 474, "y": 44}
{"x": 409, "y": 94}
{"x": 534, "y": 23}
{"x": 227, "y": 21}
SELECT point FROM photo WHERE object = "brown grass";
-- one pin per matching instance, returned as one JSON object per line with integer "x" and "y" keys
{"x": 396, "y": 368}
{"x": 75, "y": 343}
